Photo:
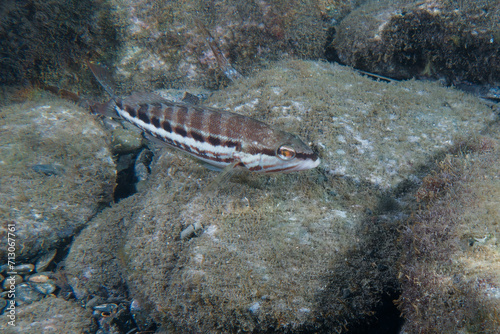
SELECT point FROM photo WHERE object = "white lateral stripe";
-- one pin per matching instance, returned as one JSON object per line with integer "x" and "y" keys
{"x": 222, "y": 152}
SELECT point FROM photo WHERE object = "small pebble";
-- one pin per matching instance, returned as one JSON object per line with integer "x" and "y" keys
{"x": 48, "y": 170}
{"x": 45, "y": 288}
{"x": 24, "y": 268}
{"x": 106, "y": 307}
{"x": 187, "y": 232}
{"x": 26, "y": 295}
{"x": 38, "y": 278}
{"x": 191, "y": 230}
{"x": 141, "y": 316}
{"x": 11, "y": 280}
{"x": 43, "y": 261}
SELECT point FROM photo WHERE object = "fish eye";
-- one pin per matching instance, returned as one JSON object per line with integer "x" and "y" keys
{"x": 285, "y": 152}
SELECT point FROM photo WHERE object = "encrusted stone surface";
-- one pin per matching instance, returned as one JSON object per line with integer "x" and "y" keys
{"x": 55, "y": 172}
{"x": 264, "y": 259}
{"x": 50, "y": 315}
{"x": 458, "y": 41}
{"x": 450, "y": 266}
{"x": 162, "y": 46}
{"x": 371, "y": 131}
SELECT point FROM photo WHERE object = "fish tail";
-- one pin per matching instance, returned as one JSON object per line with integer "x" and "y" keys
{"x": 103, "y": 76}
{"x": 106, "y": 109}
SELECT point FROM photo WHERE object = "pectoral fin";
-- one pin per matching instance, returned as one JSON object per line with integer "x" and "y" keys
{"x": 221, "y": 179}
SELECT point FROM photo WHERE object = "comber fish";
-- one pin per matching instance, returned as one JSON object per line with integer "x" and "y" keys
{"x": 217, "y": 137}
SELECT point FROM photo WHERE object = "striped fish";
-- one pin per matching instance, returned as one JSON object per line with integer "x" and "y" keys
{"x": 217, "y": 137}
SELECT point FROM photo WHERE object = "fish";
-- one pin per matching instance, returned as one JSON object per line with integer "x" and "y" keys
{"x": 224, "y": 140}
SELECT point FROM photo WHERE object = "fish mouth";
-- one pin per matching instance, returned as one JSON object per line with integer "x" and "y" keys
{"x": 302, "y": 165}
{"x": 306, "y": 164}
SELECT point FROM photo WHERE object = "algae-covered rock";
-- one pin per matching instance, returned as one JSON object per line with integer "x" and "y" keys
{"x": 314, "y": 250}
{"x": 96, "y": 260}
{"x": 266, "y": 258}
{"x": 154, "y": 44}
{"x": 164, "y": 46}
{"x": 368, "y": 130}
{"x": 335, "y": 10}
{"x": 450, "y": 267}
{"x": 455, "y": 40}
{"x": 55, "y": 172}
{"x": 46, "y": 41}
{"x": 50, "y": 315}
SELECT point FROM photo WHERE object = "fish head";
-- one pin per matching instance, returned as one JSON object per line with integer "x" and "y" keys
{"x": 281, "y": 152}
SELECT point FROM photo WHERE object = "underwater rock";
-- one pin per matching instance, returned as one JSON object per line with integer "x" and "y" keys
{"x": 335, "y": 10}
{"x": 12, "y": 280}
{"x": 24, "y": 268}
{"x": 163, "y": 47}
{"x": 126, "y": 141}
{"x": 367, "y": 130}
{"x": 27, "y": 294}
{"x": 450, "y": 265}
{"x": 457, "y": 41}
{"x": 49, "y": 39}
{"x": 47, "y": 209}
{"x": 264, "y": 258}
{"x": 96, "y": 260}
{"x": 289, "y": 252}
{"x": 45, "y": 288}
{"x": 44, "y": 261}
{"x": 50, "y": 315}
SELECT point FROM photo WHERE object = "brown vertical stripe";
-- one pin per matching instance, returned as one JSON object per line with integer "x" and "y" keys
{"x": 143, "y": 113}
{"x": 131, "y": 111}
{"x": 234, "y": 126}
{"x": 181, "y": 114}
{"x": 214, "y": 124}
{"x": 196, "y": 118}
{"x": 156, "y": 109}
{"x": 168, "y": 114}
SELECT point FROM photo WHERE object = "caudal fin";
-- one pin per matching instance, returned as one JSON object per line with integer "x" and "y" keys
{"x": 103, "y": 76}
{"x": 106, "y": 109}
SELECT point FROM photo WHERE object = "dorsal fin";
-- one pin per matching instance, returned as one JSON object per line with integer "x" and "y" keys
{"x": 145, "y": 97}
{"x": 190, "y": 98}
